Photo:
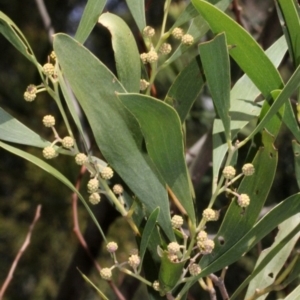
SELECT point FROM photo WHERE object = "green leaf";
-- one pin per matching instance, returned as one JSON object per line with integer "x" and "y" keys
{"x": 215, "y": 62}
{"x": 162, "y": 131}
{"x": 291, "y": 27}
{"x": 296, "y": 150}
{"x": 245, "y": 50}
{"x": 116, "y": 132}
{"x": 185, "y": 89}
{"x": 11, "y": 130}
{"x": 89, "y": 19}
{"x": 127, "y": 56}
{"x": 14, "y": 35}
{"x": 147, "y": 233}
{"x": 187, "y": 15}
{"x": 49, "y": 169}
{"x": 294, "y": 295}
{"x": 290, "y": 121}
{"x": 137, "y": 9}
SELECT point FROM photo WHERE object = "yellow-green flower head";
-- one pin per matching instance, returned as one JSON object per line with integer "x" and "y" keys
{"x": 118, "y": 189}
{"x": 107, "y": 173}
{"x": 49, "y": 152}
{"x": 194, "y": 269}
{"x": 209, "y": 215}
{"x": 165, "y": 48}
{"x": 248, "y": 169}
{"x": 68, "y": 142}
{"x": 202, "y": 236}
{"x": 48, "y": 69}
{"x": 80, "y": 159}
{"x": 49, "y": 121}
{"x": 229, "y": 172}
{"x": 148, "y": 31}
{"x": 187, "y": 39}
{"x": 106, "y": 273}
{"x": 173, "y": 248}
{"x": 94, "y": 198}
{"x": 206, "y": 247}
{"x": 177, "y": 221}
{"x": 243, "y": 200}
{"x": 152, "y": 56}
{"x": 93, "y": 185}
{"x": 177, "y": 33}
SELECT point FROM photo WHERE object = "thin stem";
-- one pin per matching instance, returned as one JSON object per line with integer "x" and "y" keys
{"x": 166, "y": 12}
{"x": 128, "y": 272}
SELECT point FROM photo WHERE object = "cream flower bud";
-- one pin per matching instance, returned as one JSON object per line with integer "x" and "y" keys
{"x": 53, "y": 56}
{"x": 187, "y": 39}
{"x": 202, "y": 236}
{"x": 49, "y": 121}
{"x": 93, "y": 185}
{"x": 209, "y": 214}
{"x": 177, "y": 33}
{"x": 106, "y": 273}
{"x": 94, "y": 198}
{"x": 29, "y": 97}
{"x": 176, "y": 221}
{"x": 152, "y": 56}
{"x": 107, "y": 173}
{"x": 118, "y": 189}
{"x": 149, "y": 31}
{"x": 134, "y": 261}
{"x": 49, "y": 152}
{"x": 229, "y": 172}
{"x": 243, "y": 200}
{"x": 248, "y": 169}
{"x": 165, "y": 48}
{"x": 67, "y": 142}
{"x": 144, "y": 57}
{"x": 194, "y": 269}
{"x": 48, "y": 69}
{"x": 143, "y": 84}
{"x": 80, "y": 159}
{"x": 206, "y": 247}
{"x": 155, "y": 285}
{"x": 112, "y": 247}
{"x": 173, "y": 247}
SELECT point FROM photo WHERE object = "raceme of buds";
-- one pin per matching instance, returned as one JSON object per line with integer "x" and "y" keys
{"x": 177, "y": 221}
{"x": 229, "y": 172}
{"x": 93, "y": 185}
{"x": 152, "y": 56}
{"x": 80, "y": 159}
{"x": 48, "y": 69}
{"x": 49, "y": 121}
{"x": 112, "y": 247}
{"x": 143, "y": 84}
{"x": 187, "y": 39}
{"x": 106, "y": 273}
{"x": 67, "y": 142}
{"x": 177, "y": 33}
{"x": 194, "y": 269}
{"x": 134, "y": 261}
{"x": 118, "y": 189}
{"x": 209, "y": 215}
{"x": 243, "y": 200}
{"x": 94, "y": 198}
{"x": 107, "y": 173}
{"x": 49, "y": 152}
{"x": 248, "y": 169}
{"x": 165, "y": 48}
{"x": 173, "y": 247}
{"x": 148, "y": 31}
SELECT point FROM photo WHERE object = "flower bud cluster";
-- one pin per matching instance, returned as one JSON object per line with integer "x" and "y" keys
{"x": 143, "y": 84}
{"x": 67, "y": 142}
{"x": 30, "y": 93}
{"x": 94, "y": 198}
{"x": 48, "y": 69}
{"x": 177, "y": 221}
{"x": 93, "y": 185}
{"x": 186, "y": 39}
{"x": 229, "y": 172}
{"x": 243, "y": 200}
{"x": 149, "y": 31}
{"x": 194, "y": 269}
{"x": 134, "y": 260}
{"x": 210, "y": 215}
{"x": 107, "y": 173}
{"x": 49, "y": 152}
{"x": 80, "y": 159}
{"x": 112, "y": 247}
{"x": 118, "y": 189}
{"x": 165, "y": 48}
{"x": 49, "y": 121}
{"x": 106, "y": 273}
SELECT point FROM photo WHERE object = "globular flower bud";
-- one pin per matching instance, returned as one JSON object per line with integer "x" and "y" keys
{"x": 94, "y": 198}
{"x": 209, "y": 214}
{"x": 206, "y": 247}
{"x": 49, "y": 121}
{"x": 53, "y": 56}
{"x": 112, "y": 247}
{"x": 165, "y": 48}
{"x": 49, "y": 152}
{"x": 143, "y": 84}
{"x": 152, "y": 56}
{"x": 29, "y": 97}
{"x": 106, "y": 273}
{"x": 187, "y": 39}
{"x": 134, "y": 261}
{"x": 149, "y": 31}
{"x": 155, "y": 285}
{"x": 173, "y": 257}
{"x": 202, "y": 236}
{"x": 177, "y": 33}
{"x": 229, "y": 172}
{"x": 67, "y": 142}
{"x": 248, "y": 169}
{"x": 80, "y": 159}
{"x": 93, "y": 185}
{"x": 173, "y": 247}
{"x": 118, "y": 189}
{"x": 176, "y": 221}
{"x": 107, "y": 173}
{"x": 194, "y": 269}
{"x": 144, "y": 57}
{"x": 48, "y": 69}
{"x": 243, "y": 200}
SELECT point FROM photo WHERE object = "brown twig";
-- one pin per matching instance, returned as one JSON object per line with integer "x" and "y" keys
{"x": 80, "y": 237}
{"x": 236, "y": 8}
{"x": 219, "y": 282}
{"x": 20, "y": 253}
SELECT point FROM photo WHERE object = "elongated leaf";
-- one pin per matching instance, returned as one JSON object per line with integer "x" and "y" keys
{"x": 187, "y": 14}
{"x": 294, "y": 295}
{"x": 52, "y": 171}
{"x": 137, "y": 9}
{"x": 185, "y": 89}
{"x": 11, "y": 130}
{"x": 296, "y": 150}
{"x": 126, "y": 53}
{"x": 14, "y": 35}
{"x": 277, "y": 261}
{"x": 277, "y": 215}
{"x": 215, "y": 60}
{"x": 89, "y": 19}
{"x": 290, "y": 121}
{"x": 116, "y": 132}
{"x": 161, "y": 128}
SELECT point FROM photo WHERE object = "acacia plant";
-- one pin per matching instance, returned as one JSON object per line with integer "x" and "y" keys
{"x": 142, "y": 139}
